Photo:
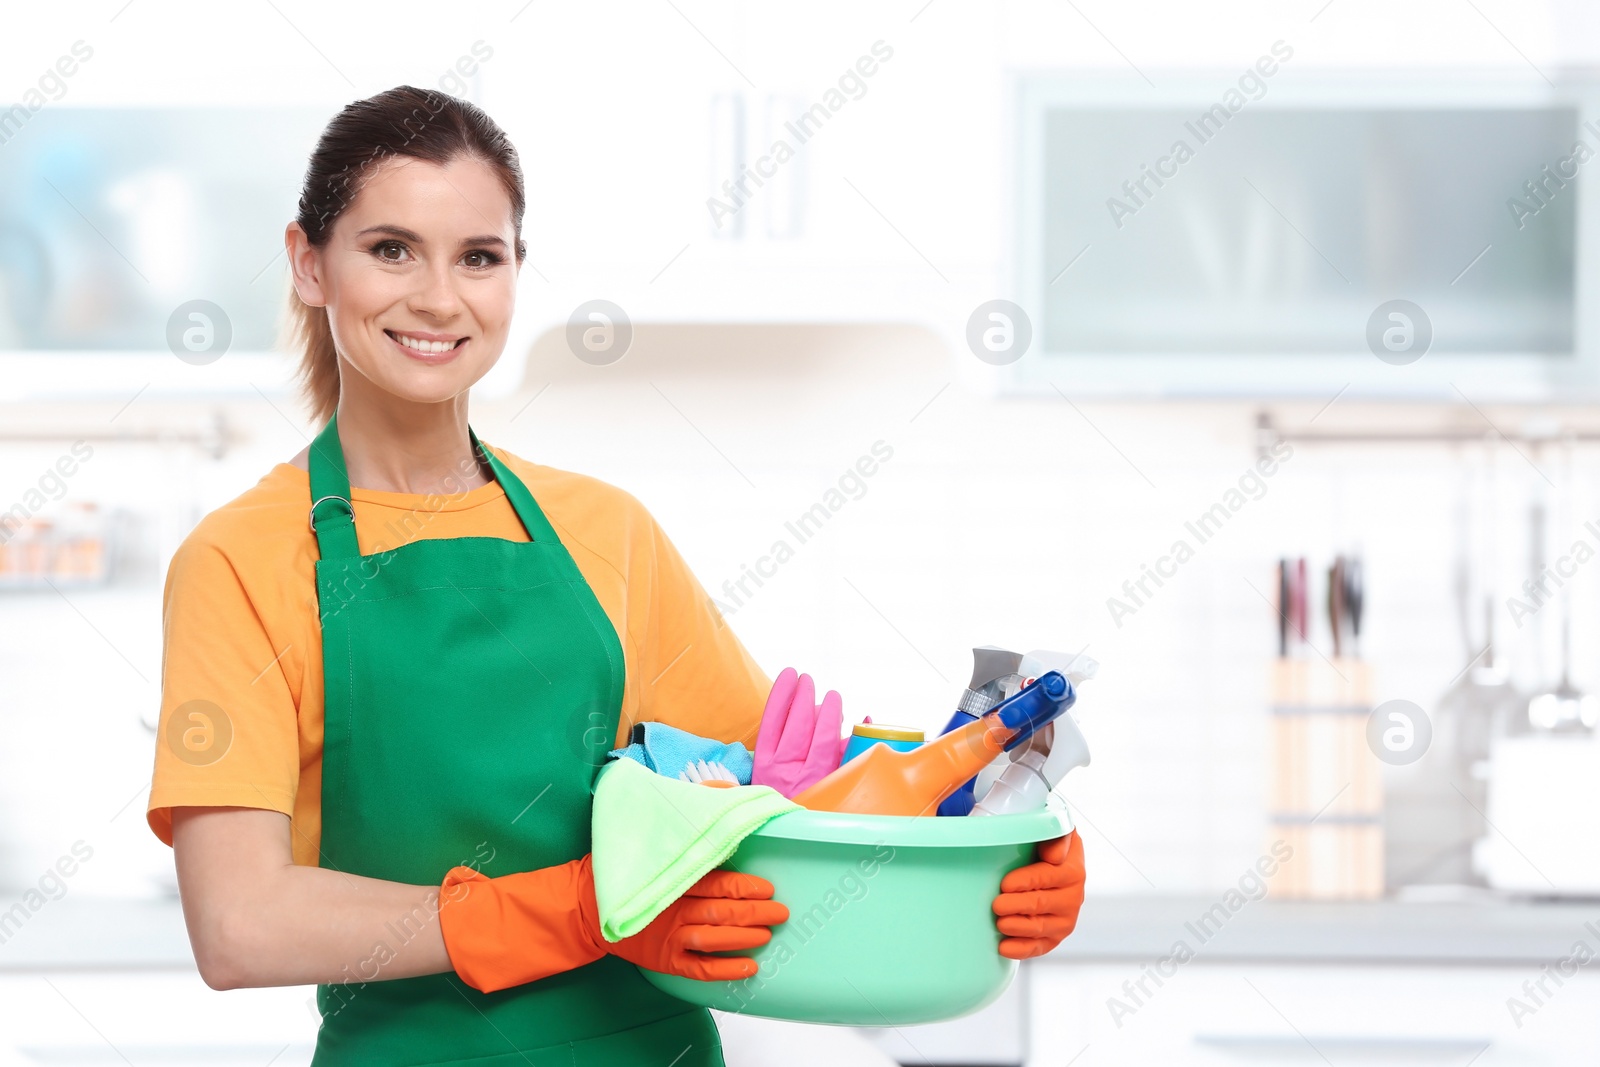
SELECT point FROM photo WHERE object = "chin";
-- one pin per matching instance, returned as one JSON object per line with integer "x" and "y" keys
{"x": 420, "y": 384}
{"x": 432, "y": 388}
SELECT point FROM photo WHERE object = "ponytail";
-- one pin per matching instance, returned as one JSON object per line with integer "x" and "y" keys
{"x": 318, "y": 377}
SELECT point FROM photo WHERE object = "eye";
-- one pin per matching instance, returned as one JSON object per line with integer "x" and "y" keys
{"x": 383, "y": 249}
{"x": 485, "y": 259}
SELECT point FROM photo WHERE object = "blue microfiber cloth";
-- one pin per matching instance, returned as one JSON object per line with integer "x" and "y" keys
{"x": 654, "y": 837}
{"x": 668, "y": 750}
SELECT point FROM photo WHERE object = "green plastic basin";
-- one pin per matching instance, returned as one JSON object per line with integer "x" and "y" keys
{"x": 890, "y": 921}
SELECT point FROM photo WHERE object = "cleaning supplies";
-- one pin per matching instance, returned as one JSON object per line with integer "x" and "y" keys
{"x": 882, "y": 781}
{"x": 866, "y": 734}
{"x": 1076, "y": 666}
{"x": 992, "y": 667}
{"x": 1037, "y": 704}
{"x": 668, "y": 750}
{"x": 1039, "y": 765}
{"x": 997, "y": 674}
{"x": 1035, "y": 769}
{"x": 713, "y": 774}
{"x": 654, "y": 837}
{"x": 800, "y": 740}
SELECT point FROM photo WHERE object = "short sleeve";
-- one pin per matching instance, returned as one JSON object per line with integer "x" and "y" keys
{"x": 695, "y": 673}
{"x": 228, "y": 727}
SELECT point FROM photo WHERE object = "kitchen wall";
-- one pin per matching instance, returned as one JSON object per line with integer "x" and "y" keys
{"x": 995, "y": 520}
{"x": 990, "y": 521}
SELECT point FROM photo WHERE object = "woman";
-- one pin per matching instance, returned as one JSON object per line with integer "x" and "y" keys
{"x": 384, "y": 706}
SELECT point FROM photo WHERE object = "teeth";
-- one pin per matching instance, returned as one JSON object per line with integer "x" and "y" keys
{"x": 423, "y": 346}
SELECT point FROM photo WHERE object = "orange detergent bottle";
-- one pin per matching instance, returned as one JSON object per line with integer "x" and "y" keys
{"x": 884, "y": 781}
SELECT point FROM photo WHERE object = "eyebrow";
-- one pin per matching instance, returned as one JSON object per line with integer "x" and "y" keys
{"x": 415, "y": 238}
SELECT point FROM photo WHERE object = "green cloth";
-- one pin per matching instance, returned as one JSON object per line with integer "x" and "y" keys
{"x": 654, "y": 837}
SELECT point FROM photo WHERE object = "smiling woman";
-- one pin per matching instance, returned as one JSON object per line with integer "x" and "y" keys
{"x": 414, "y": 652}
{"x": 353, "y": 247}
{"x": 408, "y": 637}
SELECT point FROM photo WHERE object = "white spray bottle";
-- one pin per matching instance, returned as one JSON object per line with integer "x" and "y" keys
{"x": 1039, "y": 765}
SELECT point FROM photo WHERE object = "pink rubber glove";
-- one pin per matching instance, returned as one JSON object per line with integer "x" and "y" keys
{"x": 799, "y": 743}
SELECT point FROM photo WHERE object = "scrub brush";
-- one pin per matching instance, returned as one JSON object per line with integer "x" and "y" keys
{"x": 709, "y": 773}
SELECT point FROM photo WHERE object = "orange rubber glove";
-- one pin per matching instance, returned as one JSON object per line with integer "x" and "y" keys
{"x": 502, "y": 932}
{"x": 1038, "y": 904}
{"x": 724, "y": 910}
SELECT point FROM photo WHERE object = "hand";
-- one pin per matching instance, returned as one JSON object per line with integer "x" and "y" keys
{"x": 502, "y": 932}
{"x": 1038, "y": 904}
{"x": 723, "y": 910}
{"x": 799, "y": 743}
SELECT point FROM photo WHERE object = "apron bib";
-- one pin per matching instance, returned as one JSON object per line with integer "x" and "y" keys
{"x": 473, "y": 686}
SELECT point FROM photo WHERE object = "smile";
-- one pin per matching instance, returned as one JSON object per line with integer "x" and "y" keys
{"x": 424, "y": 348}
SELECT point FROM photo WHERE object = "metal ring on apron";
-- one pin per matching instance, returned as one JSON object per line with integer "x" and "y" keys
{"x": 311, "y": 517}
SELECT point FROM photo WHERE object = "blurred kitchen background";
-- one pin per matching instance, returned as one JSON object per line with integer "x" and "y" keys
{"x": 1210, "y": 356}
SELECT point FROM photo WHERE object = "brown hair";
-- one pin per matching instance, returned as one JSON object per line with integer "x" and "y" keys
{"x": 404, "y": 121}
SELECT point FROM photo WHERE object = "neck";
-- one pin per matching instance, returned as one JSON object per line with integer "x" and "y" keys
{"x": 402, "y": 446}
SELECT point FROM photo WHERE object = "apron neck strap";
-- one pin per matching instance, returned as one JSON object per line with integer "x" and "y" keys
{"x": 333, "y": 517}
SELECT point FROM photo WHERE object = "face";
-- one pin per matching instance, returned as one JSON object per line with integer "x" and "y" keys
{"x": 418, "y": 276}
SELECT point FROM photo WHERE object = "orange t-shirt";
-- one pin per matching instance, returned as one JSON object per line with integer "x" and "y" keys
{"x": 241, "y": 631}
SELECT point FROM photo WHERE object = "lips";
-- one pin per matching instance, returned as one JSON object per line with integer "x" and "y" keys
{"x": 432, "y": 351}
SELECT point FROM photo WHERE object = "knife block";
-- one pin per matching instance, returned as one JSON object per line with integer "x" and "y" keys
{"x": 1325, "y": 788}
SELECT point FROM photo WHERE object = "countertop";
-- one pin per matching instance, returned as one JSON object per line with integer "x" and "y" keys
{"x": 1489, "y": 931}
{"x": 91, "y": 933}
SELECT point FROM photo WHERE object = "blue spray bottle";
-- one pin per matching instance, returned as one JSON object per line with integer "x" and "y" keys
{"x": 1048, "y": 697}
{"x": 992, "y": 667}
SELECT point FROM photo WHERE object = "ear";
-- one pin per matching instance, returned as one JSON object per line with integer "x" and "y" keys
{"x": 305, "y": 266}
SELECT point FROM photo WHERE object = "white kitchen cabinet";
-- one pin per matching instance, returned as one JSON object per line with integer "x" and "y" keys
{"x": 1218, "y": 1014}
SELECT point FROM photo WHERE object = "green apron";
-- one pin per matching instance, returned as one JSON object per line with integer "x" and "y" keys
{"x": 473, "y": 686}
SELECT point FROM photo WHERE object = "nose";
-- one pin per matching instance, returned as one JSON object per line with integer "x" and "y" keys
{"x": 435, "y": 295}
